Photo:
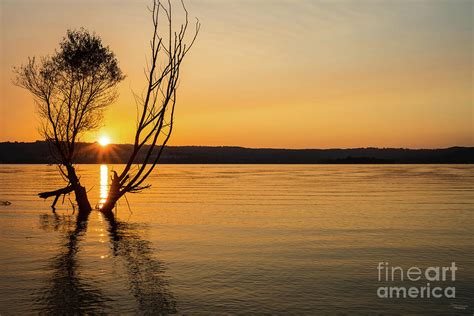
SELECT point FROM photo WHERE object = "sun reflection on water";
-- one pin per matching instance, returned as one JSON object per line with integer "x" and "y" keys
{"x": 104, "y": 184}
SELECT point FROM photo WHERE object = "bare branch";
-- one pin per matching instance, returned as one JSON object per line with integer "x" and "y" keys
{"x": 157, "y": 107}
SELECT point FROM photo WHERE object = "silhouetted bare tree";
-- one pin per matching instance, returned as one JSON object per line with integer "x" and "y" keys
{"x": 71, "y": 90}
{"x": 74, "y": 86}
{"x": 156, "y": 107}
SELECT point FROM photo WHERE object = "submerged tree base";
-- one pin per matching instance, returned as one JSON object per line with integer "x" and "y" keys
{"x": 81, "y": 197}
{"x": 56, "y": 194}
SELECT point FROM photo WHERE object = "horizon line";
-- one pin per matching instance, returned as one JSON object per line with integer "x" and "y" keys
{"x": 270, "y": 148}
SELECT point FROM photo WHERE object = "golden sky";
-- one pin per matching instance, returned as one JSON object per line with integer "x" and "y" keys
{"x": 273, "y": 73}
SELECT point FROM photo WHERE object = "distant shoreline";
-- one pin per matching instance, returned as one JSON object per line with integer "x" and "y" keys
{"x": 91, "y": 153}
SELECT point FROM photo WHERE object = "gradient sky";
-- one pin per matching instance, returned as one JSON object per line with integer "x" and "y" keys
{"x": 274, "y": 73}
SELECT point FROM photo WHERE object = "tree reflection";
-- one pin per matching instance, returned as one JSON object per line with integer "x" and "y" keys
{"x": 68, "y": 293}
{"x": 145, "y": 273}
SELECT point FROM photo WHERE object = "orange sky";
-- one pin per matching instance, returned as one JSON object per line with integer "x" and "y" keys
{"x": 276, "y": 73}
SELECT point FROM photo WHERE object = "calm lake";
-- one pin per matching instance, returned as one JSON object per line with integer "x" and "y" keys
{"x": 214, "y": 239}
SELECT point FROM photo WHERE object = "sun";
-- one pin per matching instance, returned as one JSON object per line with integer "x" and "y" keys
{"x": 104, "y": 141}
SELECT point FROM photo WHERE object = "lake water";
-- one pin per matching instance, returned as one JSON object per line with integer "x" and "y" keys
{"x": 214, "y": 239}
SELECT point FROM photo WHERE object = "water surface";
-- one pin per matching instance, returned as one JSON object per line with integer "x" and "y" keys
{"x": 300, "y": 239}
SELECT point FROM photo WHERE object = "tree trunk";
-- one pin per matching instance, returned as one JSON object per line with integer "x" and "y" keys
{"x": 79, "y": 191}
{"x": 113, "y": 196}
{"x": 81, "y": 199}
